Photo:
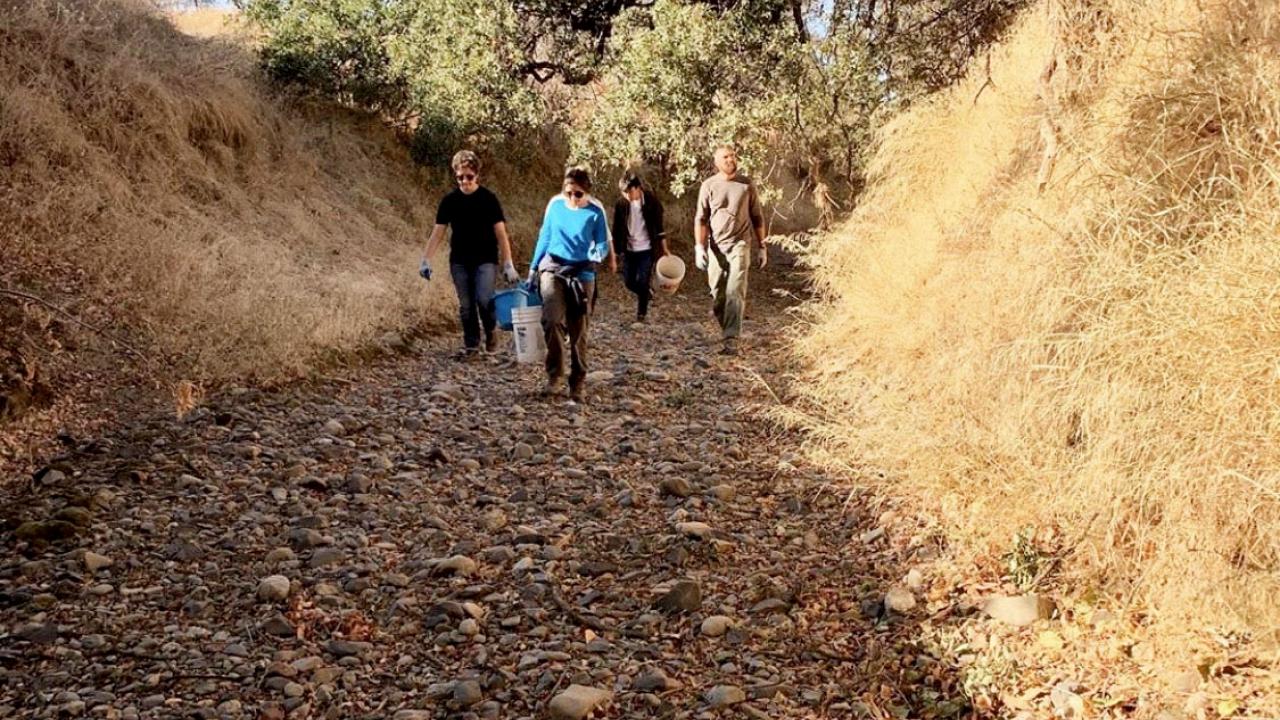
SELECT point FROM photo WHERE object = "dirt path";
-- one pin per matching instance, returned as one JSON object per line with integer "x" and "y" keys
{"x": 453, "y": 546}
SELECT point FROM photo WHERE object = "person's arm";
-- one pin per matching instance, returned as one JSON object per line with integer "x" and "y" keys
{"x": 602, "y": 239}
{"x": 504, "y": 252}
{"x": 702, "y": 228}
{"x": 433, "y": 242}
{"x": 757, "y": 221}
{"x": 659, "y": 230}
{"x": 620, "y": 209}
{"x": 544, "y": 239}
{"x": 504, "y": 243}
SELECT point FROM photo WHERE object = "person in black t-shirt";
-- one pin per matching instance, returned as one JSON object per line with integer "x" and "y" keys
{"x": 478, "y": 239}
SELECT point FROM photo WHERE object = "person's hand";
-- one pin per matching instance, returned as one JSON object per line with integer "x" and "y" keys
{"x": 700, "y": 257}
{"x": 509, "y": 272}
{"x": 613, "y": 264}
{"x": 764, "y": 256}
{"x": 532, "y": 280}
{"x": 424, "y": 269}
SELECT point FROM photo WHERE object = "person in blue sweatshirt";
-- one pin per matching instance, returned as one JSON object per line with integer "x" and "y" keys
{"x": 573, "y": 239}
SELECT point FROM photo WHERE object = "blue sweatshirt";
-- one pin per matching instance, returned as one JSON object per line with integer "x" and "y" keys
{"x": 573, "y": 234}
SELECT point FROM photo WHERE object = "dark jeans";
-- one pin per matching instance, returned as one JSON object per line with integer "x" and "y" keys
{"x": 562, "y": 317}
{"x": 475, "y": 299}
{"x": 637, "y": 268}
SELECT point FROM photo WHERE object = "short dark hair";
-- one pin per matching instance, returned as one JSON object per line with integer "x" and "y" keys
{"x": 578, "y": 176}
{"x": 630, "y": 180}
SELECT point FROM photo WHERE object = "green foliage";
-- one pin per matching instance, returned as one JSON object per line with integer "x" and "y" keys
{"x": 796, "y": 84}
{"x": 443, "y": 68}
{"x": 681, "y": 79}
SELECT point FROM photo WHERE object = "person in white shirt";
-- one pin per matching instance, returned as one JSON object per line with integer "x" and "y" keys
{"x": 638, "y": 237}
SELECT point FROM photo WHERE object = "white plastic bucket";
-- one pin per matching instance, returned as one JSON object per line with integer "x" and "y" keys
{"x": 526, "y": 334}
{"x": 668, "y": 273}
{"x": 526, "y": 314}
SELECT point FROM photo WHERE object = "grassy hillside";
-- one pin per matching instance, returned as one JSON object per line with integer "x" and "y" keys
{"x": 1080, "y": 341}
{"x": 155, "y": 183}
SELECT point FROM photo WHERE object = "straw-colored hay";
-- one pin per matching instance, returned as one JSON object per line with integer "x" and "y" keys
{"x": 154, "y": 174}
{"x": 1100, "y": 359}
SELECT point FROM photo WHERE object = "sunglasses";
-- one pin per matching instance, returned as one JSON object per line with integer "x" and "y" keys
{"x": 466, "y": 177}
{"x": 575, "y": 194}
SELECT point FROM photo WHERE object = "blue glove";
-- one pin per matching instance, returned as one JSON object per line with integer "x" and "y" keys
{"x": 425, "y": 270}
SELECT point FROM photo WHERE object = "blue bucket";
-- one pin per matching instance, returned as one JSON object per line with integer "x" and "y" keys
{"x": 504, "y": 301}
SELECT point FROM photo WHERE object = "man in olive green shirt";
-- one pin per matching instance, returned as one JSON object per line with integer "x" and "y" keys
{"x": 728, "y": 222}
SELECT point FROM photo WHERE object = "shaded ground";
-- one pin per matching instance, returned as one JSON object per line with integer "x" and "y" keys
{"x": 363, "y": 494}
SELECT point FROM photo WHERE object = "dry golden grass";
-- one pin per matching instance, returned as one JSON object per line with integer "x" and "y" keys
{"x": 205, "y": 22}
{"x": 243, "y": 234}
{"x": 1100, "y": 360}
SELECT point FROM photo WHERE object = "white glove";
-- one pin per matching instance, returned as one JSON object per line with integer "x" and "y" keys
{"x": 700, "y": 257}
{"x": 532, "y": 280}
{"x": 509, "y": 272}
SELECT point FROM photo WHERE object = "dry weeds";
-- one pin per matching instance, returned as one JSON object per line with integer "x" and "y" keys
{"x": 242, "y": 233}
{"x": 1097, "y": 360}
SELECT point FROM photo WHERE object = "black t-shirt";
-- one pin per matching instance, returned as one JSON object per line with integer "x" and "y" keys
{"x": 471, "y": 219}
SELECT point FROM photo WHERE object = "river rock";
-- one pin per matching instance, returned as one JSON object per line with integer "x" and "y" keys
{"x": 577, "y": 702}
{"x": 273, "y": 588}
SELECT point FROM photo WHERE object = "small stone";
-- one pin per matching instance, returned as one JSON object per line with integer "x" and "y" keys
{"x": 273, "y": 588}
{"x": 577, "y": 702}
{"x": 494, "y": 520}
{"x": 93, "y": 562}
{"x": 469, "y": 627}
{"x": 716, "y": 625}
{"x": 900, "y": 600}
{"x": 75, "y": 515}
{"x": 457, "y": 565}
{"x": 467, "y": 693}
{"x": 698, "y": 530}
{"x": 522, "y": 451}
{"x": 38, "y": 633}
{"x": 348, "y": 648}
{"x": 303, "y": 538}
{"x": 335, "y": 428}
{"x": 654, "y": 680}
{"x": 724, "y": 493}
{"x": 293, "y": 690}
{"x": 45, "y": 531}
{"x": 725, "y": 695}
{"x": 676, "y": 487}
{"x": 915, "y": 580}
{"x": 1019, "y": 611}
{"x": 278, "y": 626}
{"x": 413, "y": 715}
{"x": 281, "y": 554}
{"x": 684, "y": 596}
{"x": 326, "y": 556}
